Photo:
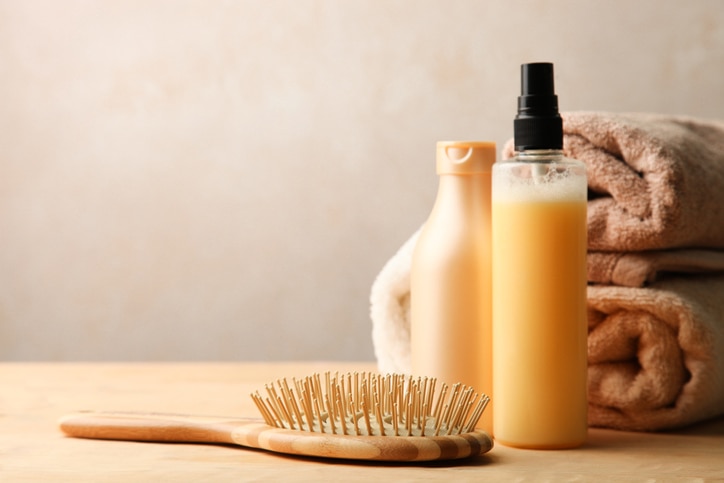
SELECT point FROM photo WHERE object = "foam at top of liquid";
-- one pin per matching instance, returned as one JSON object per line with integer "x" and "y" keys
{"x": 551, "y": 186}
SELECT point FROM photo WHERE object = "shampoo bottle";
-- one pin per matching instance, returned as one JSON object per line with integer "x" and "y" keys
{"x": 450, "y": 305}
{"x": 539, "y": 279}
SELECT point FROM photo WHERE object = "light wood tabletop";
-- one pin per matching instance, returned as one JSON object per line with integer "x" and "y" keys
{"x": 33, "y": 396}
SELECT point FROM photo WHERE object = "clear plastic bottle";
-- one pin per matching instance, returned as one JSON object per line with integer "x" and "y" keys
{"x": 539, "y": 279}
{"x": 451, "y": 268}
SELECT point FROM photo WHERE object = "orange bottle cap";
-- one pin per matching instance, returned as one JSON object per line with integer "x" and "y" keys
{"x": 465, "y": 157}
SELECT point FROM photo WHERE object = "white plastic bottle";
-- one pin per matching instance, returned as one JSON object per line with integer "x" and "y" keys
{"x": 451, "y": 269}
{"x": 539, "y": 279}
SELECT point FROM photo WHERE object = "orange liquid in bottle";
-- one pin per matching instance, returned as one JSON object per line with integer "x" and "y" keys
{"x": 539, "y": 322}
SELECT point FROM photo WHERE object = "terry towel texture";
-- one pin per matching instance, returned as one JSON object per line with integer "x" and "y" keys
{"x": 636, "y": 269}
{"x": 655, "y": 181}
{"x": 655, "y": 269}
{"x": 656, "y": 354}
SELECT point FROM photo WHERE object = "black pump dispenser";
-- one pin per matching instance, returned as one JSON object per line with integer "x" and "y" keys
{"x": 538, "y": 124}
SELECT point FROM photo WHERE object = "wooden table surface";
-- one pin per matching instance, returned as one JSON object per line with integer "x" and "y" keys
{"x": 34, "y": 395}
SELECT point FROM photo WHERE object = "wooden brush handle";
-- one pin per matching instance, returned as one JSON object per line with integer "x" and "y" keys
{"x": 256, "y": 434}
{"x": 159, "y": 427}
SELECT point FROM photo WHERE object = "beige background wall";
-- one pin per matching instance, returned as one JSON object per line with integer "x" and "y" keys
{"x": 224, "y": 179}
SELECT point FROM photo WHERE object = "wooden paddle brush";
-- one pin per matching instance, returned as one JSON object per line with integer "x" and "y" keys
{"x": 360, "y": 416}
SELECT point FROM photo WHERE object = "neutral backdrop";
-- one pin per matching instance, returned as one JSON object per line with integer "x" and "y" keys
{"x": 222, "y": 180}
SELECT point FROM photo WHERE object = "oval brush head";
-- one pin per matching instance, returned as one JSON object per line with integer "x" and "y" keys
{"x": 367, "y": 404}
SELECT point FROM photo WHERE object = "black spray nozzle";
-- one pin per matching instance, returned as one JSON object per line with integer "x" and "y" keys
{"x": 537, "y": 79}
{"x": 538, "y": 124}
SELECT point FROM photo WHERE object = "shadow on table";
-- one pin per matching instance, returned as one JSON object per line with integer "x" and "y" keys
{"x": 601, "y": 439}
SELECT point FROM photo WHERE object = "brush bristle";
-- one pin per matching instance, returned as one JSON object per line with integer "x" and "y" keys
{"x": 368, "y": 404}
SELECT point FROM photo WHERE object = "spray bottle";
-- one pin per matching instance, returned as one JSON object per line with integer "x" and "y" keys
{"x": 539, "y": 278}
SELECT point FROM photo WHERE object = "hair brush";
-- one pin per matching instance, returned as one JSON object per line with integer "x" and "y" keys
{"x": 360, "y": 416}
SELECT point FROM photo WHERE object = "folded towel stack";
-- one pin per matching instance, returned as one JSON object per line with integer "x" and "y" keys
{"x": 655, "y": 270}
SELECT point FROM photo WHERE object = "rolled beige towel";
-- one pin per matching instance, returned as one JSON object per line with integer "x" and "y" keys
{"x": 656, "y": 354}
{"x": 390, "y": 311}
